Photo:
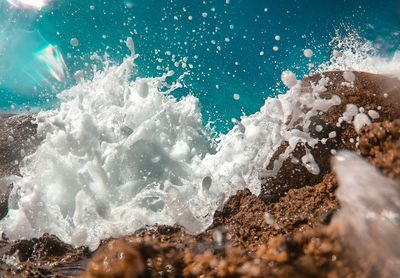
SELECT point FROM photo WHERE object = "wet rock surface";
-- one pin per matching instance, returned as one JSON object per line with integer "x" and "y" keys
{"x": 369, "y": 92}
{"x": 45, "y": 256}
{"x": 283, "y": 233}
{"x": 17, "y": 139}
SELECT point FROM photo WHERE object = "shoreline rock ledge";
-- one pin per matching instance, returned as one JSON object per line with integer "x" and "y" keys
{"x": 284, "y": 232}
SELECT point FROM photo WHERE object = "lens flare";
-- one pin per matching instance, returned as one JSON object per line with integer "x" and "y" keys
{"x": 29, "y": 4}
{"x": 29, "y": 63}
{"x": 53, "y": 62}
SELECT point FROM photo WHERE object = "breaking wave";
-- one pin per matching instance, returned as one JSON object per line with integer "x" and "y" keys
{"x": 119, "y": 154}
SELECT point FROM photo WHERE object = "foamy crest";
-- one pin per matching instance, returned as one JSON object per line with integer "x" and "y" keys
{"x": 110, "y": 154}
{"x": 353, "y": 53}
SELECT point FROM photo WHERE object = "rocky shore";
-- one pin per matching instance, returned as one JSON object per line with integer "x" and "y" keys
{"x": 284, "y": 232}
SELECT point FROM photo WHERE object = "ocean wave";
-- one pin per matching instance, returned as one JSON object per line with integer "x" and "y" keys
{"x": 118, "y": 154}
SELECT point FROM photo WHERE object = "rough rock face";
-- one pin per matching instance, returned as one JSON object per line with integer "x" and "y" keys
{"x": 282, "y": 234}
{"x": 39, "y": 257}
{"x": 381, "y": 144}
{"x": 370, "y": 91}
{"x": 17, "y": 138}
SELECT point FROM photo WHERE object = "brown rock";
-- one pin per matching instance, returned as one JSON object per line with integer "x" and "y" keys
{"x": 17, "y": 136}
{"x": 118, "y": 258}
{"x": 38, "y": 257}
{"x": 369, "y": 92}
{"x": 381, "y": 144}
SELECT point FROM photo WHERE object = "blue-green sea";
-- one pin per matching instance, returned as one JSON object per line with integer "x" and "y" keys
{"x": 236, "y": 47}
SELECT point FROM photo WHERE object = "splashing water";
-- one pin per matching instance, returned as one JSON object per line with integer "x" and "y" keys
{"x": 353, "y": 53}
{"x": 119, "y": 154}
{"x": 369, "y": 217}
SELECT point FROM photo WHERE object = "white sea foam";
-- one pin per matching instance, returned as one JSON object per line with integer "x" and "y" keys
{"x": 121, "y": 154}
{"x": 353, "y": 53}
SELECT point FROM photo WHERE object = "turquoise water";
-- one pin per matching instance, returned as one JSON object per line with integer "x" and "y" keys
{"x": 226, "y": 46}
